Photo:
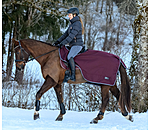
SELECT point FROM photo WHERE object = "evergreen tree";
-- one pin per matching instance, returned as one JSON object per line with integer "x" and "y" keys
{"x": 21, "y": 18}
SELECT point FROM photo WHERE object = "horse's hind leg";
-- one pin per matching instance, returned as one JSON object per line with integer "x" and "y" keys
{"x": 49, "y": 83}
{"x": 58, "y": 91}
{"x": 105, "y": 100}
{"x": 115, "y": 91}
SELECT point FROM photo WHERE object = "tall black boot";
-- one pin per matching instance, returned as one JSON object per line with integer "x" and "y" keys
{"x": 72, "y": 68}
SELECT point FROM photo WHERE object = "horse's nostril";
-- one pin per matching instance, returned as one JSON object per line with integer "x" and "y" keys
{"x": 18, "y": 68}
{"x": 22, "y": 66}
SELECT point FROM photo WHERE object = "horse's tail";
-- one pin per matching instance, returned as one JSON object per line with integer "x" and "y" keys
{"x": 125, "y": 96}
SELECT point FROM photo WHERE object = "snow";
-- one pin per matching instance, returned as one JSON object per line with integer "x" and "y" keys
{"x": 22, "y": 119}
{"x": 33, "y": 71}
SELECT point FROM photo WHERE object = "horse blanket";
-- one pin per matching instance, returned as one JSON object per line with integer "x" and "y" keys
{"x": 96, "y": 66}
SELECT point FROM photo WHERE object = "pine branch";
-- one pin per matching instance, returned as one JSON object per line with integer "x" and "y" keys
{"x": 40, "y": 6}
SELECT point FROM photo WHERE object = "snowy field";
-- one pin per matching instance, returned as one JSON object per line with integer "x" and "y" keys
{"x": 21, "y": 119}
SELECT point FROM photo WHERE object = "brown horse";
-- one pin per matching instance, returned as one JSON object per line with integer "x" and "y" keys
{"x": 48, "y": 57}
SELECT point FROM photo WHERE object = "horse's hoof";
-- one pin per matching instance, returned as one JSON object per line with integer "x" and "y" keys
{"x": 94, "y": 121}
{"x": 129, "y": 117}
{"x": 59, "y": 119}
{"x": 36, "y": 117}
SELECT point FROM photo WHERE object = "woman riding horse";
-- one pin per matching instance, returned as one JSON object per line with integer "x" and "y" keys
{"x": 48, "y": 57}
{"x": 73, "y": 36}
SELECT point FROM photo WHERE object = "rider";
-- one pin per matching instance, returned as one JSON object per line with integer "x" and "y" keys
{"x": 73, "y": 36}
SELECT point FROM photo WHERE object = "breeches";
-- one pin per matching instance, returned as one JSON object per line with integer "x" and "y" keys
{"x": 74, "y": 51}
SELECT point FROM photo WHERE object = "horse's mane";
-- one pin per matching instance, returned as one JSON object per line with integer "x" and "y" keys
{"x": 38, "y": 41}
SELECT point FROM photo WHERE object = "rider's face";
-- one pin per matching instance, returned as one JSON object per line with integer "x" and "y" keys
{"x": 70, "y": 16}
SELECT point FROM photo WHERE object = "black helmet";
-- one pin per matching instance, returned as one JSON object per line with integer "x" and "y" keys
{"x": 73, "y": 10}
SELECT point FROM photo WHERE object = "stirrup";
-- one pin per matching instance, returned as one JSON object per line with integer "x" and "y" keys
{"x": 72, "y": 78}
{"x": 67, "y": 76}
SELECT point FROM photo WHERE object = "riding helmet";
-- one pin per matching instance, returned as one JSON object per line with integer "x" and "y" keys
{"x": 73, "y": 10}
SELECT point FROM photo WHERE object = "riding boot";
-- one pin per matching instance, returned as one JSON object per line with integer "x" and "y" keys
{"x": 72, "y": 68}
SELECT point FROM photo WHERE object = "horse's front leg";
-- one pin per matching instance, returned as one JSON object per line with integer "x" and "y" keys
{"x": 105, "y": 100}
{"x": 58, "y": 91}
{"x": 49, "y": 83}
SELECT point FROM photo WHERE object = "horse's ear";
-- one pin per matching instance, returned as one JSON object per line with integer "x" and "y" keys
{"x": 16, "y": 43}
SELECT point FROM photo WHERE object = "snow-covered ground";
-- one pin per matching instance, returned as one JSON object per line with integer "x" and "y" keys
{"x": 21, "y": 119}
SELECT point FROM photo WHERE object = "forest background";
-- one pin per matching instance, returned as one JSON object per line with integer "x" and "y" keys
{"x": 115, "y": 26}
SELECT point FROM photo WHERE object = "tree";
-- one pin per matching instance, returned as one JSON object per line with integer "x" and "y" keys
{"x": 139, "y": 63}
{"x": 107, "y": 28}
{"x": 24, "y": 18}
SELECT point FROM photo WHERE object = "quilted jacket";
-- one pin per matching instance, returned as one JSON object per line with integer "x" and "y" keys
{"x": 73, "y": 34}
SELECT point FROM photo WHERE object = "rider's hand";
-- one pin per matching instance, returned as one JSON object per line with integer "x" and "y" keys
{"x": 59, "y": 45}
{"x": 62, "y": 43}
{"x": 56, "y": 43}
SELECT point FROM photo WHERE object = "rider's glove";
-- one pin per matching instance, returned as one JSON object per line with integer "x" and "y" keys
{"x": 56, "y": 43}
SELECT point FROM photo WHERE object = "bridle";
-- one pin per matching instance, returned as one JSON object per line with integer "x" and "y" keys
{"x": 23, "y": 59}
{"x": 21, "y": 49}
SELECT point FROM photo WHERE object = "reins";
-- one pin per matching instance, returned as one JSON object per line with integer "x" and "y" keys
{"x": 29, "y": 54}
{"x": 40, "y": 55}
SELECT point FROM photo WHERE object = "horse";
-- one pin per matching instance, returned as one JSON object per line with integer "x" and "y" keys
{"x": 48, "y": 57}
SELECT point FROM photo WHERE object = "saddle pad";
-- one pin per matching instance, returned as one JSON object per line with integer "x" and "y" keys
{"x": 96, "y": 66}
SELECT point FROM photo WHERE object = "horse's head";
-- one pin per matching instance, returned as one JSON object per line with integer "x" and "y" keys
{"x": 21, "y": 55}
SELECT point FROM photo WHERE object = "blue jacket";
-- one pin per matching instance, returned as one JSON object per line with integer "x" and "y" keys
{"x": 73, "y": 35}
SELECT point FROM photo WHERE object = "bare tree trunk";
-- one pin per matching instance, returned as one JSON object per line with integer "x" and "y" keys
{"x": 10, "y": 59}
{"x": 97, "y": 4}
{"x": 18, "y": 74}
{"x": 70, "y": 91}
{"x": 143, "y": 59}
{"x": 89, "y": 41}
{"x": 106, "y": 32}
{"x": 118, "y": 31}
{"x": 101, "y": 7}
{"x": 3, "y": 48}
{"x": 139, "y": 64}
{"x": 85, "y": 22}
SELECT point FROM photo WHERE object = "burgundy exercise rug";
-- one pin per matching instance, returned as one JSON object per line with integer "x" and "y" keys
{"x": 96, "y": 66}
